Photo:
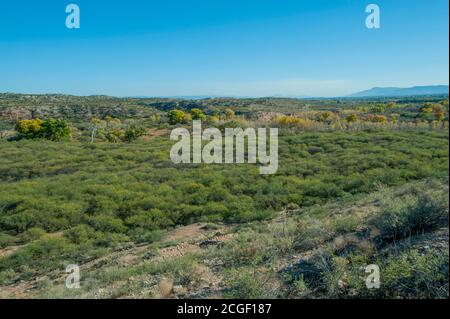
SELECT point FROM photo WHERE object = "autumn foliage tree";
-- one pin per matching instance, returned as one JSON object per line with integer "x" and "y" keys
{"x": 51, "y": 129}
{"x": 114, "y": 131}
{"x": 30, "y": 128}
{"x": 430, "y": 112}
{"x": 439, "y": 112}
{"x": 351, "y": 118}
{"x": 229, "y": 114}
{"x": 176, "y": 116}
{"x": 325, "y": 117}
{"x": 380, "y": 119}
{"x": 198, "y": 114}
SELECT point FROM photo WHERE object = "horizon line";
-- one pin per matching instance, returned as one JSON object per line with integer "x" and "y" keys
{"x": 225, "y": 96}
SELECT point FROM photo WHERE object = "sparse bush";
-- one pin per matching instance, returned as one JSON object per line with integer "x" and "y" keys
{"x": 345, "y": 224}
{"x": 313, "y": 272}
{"x": 248, "y": 284}
{"x": 42, "y": 255}
{"x": 415, "y": 275}
{"x": 310, "y": 233}
{"x": 412, "y": 214}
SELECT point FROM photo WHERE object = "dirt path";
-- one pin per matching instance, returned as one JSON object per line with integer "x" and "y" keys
{"x": 180, "y": 241}
{"x": 153, "y": 133}
{"x": 9, "y": 250}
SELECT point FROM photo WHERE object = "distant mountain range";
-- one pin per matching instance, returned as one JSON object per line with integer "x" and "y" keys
{"x": 395, "y": 91}
{"x": 374, "y": 92}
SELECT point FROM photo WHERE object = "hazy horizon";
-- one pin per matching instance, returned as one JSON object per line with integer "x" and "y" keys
{"x": 202, "y": 96}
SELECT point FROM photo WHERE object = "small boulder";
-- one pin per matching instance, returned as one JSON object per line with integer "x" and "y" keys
{"x": 165, "y": 288}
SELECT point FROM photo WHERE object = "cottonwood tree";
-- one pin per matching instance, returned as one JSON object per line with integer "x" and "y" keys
{"x": 176, "y": 116}
{"x": 94, "y": 126}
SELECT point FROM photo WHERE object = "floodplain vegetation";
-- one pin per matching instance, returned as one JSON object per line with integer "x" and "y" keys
{"x": 89, "y": 181}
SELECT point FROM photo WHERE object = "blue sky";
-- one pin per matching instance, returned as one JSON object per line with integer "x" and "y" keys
{"x": 218, "y": 47}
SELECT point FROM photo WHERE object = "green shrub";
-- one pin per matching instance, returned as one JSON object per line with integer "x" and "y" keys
{"x": 247, "y": 284}
{"x": 21, "y": 221}
{"x": 110, "y": 239}
{"x": 414, "y": 274}
{"x": 316, "y": 272}
{"x": 80, "y": 234}
{"x": 309, "y": 234}
{"x": 56, "y": 129}
{"x": 107, "y": 223}
{"x": 7, "y": 240}
{"x": 141, "y": 235}
{"x": 345, "y": 224}
{"x": 45, "y": 255}
{"x": 133, "y": 132}
{"x": 403, "y": 274}
{"x": 151, "y": 220}
{"x": 412, "y": 214}
{"x": 112, "y": 188}
{"x": 32, "y": 234}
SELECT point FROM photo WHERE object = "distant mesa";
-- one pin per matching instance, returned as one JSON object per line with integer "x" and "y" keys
{"x": 395, "y": 91}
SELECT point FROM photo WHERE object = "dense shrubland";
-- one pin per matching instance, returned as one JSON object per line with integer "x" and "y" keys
{"x": 314, "y": 252}
{"x": 102, "y": 195}
{"x": 74, "y": 187}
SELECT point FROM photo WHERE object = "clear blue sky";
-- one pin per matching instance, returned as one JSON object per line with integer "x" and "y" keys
{"x": 221, "y": 47}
